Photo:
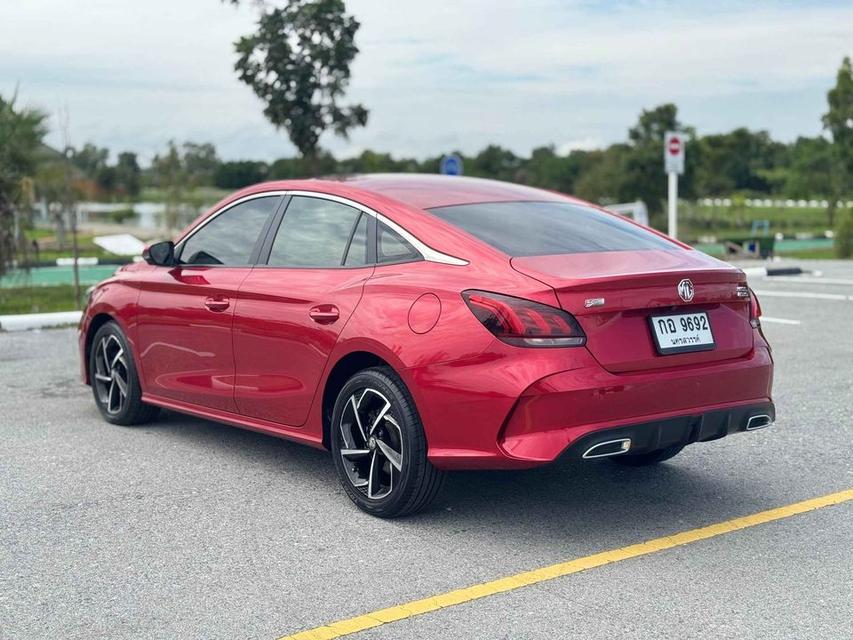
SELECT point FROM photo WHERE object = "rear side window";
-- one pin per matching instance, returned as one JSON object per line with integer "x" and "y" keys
{"x": 229, "y": 239}
{"x": 549, "y": 228}
{"x": 392, "y": 247}
{"x": 316, "y": 233}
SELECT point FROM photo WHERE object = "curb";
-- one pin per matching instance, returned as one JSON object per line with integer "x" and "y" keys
{"x": 773, "y": 271}
{"x": 26, "y": 321}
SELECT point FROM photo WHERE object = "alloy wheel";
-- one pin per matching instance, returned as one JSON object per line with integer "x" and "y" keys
{"x": 372, "y": 443}
{"x": 111, "y": 374}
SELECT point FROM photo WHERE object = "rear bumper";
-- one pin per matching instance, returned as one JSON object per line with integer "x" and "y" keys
{"x": 503, "y": 422}
{"x": 679, "y": 431}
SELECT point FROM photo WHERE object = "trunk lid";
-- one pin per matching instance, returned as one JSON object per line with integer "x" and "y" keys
{"x": 636, "y": 285}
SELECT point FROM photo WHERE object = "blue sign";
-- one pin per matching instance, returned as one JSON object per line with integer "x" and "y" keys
{"x": 451, "y": 165}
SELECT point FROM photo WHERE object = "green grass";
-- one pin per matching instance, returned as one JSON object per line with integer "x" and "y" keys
{"x": 37, "y": 299}
{"x": 696, "y": 220}
{"x": 85, "y": 244}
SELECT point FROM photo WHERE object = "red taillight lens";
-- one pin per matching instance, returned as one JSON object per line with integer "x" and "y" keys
{"x": 754, "y": 310}
{"x": 524, "y": 323}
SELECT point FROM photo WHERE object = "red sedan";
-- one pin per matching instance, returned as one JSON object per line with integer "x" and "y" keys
{"x": 413, "y": 324}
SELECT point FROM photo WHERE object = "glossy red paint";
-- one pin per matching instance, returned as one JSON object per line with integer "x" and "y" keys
{"x": 255, "y": 346}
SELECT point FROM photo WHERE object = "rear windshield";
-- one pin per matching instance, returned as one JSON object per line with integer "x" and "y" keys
{"x": 549, "y": 228}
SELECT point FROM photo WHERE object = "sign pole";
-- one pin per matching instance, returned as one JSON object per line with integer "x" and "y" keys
{"x": 673, "y": 165}
{"x": 672, "y": 205}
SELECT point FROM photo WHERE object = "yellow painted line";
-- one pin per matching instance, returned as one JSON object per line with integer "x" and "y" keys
{"x": 526, "y": 578}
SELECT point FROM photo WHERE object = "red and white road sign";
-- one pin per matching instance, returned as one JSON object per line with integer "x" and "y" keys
{"x": 673, "y": 152}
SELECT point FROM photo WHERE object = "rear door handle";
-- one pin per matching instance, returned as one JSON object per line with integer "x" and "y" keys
{"x": 217, "y": 304}
{"x": 324, "y": 313}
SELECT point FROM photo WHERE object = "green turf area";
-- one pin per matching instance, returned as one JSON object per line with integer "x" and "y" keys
{"x": 49, "y": 276}
{"x": 37, "y": 299}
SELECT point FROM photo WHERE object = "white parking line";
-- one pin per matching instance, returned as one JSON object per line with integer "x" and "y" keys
{"x": 802, "y": 294}
{"x": 779, "y": 320}
{"x": 809, "y": 280}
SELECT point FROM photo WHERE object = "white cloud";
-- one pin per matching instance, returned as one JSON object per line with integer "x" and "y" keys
{"x": 435, "y": 75}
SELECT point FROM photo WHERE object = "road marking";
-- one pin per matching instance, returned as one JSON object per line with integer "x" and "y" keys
{"x": 809, "y": 280}
{"x": 802, "y": 294}
{"x": 510, "y": 583}
{"x": 779, "y": 320}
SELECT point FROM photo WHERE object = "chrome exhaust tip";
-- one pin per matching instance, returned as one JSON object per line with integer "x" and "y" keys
{"x": 607, "y": 449}
{"x": 758, "y": 422}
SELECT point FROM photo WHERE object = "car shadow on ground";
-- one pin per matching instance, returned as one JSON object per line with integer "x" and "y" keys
{"x": 568, "y": 499}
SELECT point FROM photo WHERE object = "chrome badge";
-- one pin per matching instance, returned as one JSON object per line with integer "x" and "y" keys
{"x": 593, "y": 302}
{"x": 685, "y": 290}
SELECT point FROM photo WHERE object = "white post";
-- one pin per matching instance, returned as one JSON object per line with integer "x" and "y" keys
{"x": 673, "y": 205}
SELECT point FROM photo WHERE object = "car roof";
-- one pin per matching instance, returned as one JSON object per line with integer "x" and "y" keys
{"x": 425, "y": 191}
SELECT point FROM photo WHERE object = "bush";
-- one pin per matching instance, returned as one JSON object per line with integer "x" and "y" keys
{"x": 844, "y": 235}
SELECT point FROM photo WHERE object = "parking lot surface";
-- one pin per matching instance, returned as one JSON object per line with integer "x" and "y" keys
{"x": 190, "y": 529}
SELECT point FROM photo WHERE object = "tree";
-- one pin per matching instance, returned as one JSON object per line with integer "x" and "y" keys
{"x": 298, "y": 64}
{"x": 494, "y": 162}
{"x": 644, "y": 177}
{"x": 838, "y": 120}
{"x": 171, "y": 177}
{"x": 200, "y": 162}
{"x": 21, "y": 133}
{"x": 242, "y": 173}
{"x": 91, "y": 159}
{"x": 128, "y": 173}
{"x": 740, "y": 160}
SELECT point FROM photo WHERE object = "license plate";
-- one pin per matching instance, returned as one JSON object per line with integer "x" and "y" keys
{"x": 682, "y": 333}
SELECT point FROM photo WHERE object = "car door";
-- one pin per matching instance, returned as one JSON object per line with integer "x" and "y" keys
{"x": 292, "y": 309}
{"x": 185, "y": 312}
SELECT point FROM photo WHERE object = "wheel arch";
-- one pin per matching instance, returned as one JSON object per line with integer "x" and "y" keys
{"x": 346, "y": 367}
{"x": 96, "y": 322}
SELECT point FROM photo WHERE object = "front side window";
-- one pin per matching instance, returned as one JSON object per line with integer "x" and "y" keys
{"x": 317, "y": 233}
{"x": 229, "y": 239}
{"x": 549, "y": 228}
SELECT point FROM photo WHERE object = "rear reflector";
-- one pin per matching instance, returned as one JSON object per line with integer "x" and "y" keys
{"x": 524, "y": 323}
{"x": 754, "y": 310}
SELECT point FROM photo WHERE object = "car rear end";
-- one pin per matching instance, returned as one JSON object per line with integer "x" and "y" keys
{"x": 635, "y": 344}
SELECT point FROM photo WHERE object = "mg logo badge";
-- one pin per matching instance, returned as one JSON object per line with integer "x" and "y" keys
{"x": 685, "y": 290}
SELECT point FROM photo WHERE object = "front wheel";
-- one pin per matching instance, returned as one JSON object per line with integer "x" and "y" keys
{"x": 115, "y": 383}
{"x": 379, "y": 447}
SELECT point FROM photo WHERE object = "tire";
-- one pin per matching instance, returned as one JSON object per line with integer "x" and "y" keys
{"x": 646, "y": 459}
{"x": 115, "y": 383}
{"x": 386, "y": 473}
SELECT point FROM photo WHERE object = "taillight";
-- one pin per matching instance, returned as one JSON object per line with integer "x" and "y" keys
{"x": 754, "y": 310}
{"x": 524, "y": 323}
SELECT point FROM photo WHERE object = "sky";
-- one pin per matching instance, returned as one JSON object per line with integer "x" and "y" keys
{"x": 436, "y": 75}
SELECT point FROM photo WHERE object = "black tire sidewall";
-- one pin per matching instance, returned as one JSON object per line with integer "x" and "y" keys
{"x": 414, "y": 443}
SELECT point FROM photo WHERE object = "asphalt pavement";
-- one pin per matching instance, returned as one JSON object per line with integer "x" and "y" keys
{"x": 190, "y": 529}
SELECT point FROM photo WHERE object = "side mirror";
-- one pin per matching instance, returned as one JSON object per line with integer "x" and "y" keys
{"x": 160, "y": 254}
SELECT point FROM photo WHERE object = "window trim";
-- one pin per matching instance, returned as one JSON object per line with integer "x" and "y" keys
{"x": 420, "y": 258}
{"x": 264, "y": 256}
{"x": 427, "y": 253}
{"x": 259, "y": 241}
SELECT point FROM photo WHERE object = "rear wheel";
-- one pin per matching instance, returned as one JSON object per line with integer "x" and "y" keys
{"x": 379, "y": 447}
{"x": 645, "y": 459}
{"x": 115, "y": 383}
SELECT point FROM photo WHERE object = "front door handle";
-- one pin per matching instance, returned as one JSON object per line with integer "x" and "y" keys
{"x": 324, "y": 313}
{"x": 217, "y": 304}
